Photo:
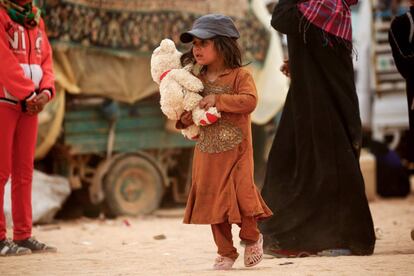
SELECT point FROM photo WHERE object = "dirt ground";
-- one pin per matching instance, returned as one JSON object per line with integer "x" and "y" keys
{"x": 162, "y": 245}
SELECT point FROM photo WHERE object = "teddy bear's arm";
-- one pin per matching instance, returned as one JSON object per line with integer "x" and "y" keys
{"x": 243, "y": 100}
{"x": 191, "y": 100}
{"x": 187, "y": 80}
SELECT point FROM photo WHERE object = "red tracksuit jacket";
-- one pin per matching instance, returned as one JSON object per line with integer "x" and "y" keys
{"x": 25, "y": 61}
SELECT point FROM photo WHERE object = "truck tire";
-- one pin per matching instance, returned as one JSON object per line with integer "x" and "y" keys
{"x": 133, "y": 185}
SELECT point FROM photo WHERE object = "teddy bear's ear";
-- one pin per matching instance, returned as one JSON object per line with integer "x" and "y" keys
{"x": 156, "y": 51}
{"x": 167, "y": 45}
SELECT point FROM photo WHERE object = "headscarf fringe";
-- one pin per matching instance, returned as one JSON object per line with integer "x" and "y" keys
{"x": 329, "y": 40}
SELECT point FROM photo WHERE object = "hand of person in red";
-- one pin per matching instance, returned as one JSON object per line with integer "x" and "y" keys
{"x": 36, "y": 105}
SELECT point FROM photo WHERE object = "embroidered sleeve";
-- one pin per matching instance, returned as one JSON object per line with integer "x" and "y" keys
{"x": 243, "y": 100}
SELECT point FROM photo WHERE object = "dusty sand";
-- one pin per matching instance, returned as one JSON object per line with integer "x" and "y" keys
{"x": 127, "y": 247}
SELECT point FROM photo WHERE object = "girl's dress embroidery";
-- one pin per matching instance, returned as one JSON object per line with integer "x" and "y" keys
{"x": 223, "y": 135}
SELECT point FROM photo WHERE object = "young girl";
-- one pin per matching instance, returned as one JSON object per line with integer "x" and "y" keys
{"x": 223, "y": 192}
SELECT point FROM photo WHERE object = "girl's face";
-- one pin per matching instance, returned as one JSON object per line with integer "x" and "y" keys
{"x": 204, "y": 51}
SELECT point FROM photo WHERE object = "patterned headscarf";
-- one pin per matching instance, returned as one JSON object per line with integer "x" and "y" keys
{"x": 332, "y": 16}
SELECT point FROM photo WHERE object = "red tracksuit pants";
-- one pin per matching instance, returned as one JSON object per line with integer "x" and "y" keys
{"x": 18, "y": 133}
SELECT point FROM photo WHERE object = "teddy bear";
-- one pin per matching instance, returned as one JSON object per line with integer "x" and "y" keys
{"x": 179, "y": 89}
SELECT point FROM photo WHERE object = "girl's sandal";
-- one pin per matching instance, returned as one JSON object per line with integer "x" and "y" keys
{"x": 223, "y": 263}
{"x": 253, "y": 253}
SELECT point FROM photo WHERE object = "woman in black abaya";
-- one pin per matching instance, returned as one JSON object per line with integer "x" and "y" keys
{"x": 313, "y": 181}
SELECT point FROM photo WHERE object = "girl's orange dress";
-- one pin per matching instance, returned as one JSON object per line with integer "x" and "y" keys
{"x": 223, "y": 188}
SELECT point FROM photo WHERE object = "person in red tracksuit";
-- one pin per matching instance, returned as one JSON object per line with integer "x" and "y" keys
{"x": 26, "y": 86}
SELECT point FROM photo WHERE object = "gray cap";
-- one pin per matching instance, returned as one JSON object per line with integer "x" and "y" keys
{"x": 209, "y": 26}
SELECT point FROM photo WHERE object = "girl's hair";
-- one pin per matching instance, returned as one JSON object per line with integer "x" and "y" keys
{"x": 227, "y": 48}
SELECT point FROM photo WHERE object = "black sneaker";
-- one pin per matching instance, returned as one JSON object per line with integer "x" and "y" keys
{"x": 36, "y": 246}
{"x": 9, "y": 248}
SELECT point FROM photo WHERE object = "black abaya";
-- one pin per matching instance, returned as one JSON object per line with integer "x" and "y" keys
{"x": 402, "y": 45}
{"x": 313, "y": 181}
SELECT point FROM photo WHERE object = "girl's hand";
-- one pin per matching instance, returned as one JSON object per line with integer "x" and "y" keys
{"x": 187, "y": 118}
{"x": 207, "y": 102}
{"x": 285, "y": 68}
{"x": 36, "y": 105}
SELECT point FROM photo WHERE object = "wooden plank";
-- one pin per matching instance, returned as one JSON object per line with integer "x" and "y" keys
{"x": 127, "y": 142}
{"x": 96, "y": 114}
{"x": 102, "y": 126}
{"x": 140, "y": 126}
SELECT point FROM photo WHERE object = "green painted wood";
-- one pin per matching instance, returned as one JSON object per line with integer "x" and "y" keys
{"x": 127, "y": 142}
{"x": 123, "y": 124}
{"x": 93, "y": 113}
{"x": 140, "y": 126}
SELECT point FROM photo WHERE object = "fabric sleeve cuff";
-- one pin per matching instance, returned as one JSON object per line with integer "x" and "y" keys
{"x": 31, "y": 96}
{"x": 48, "y": 93}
